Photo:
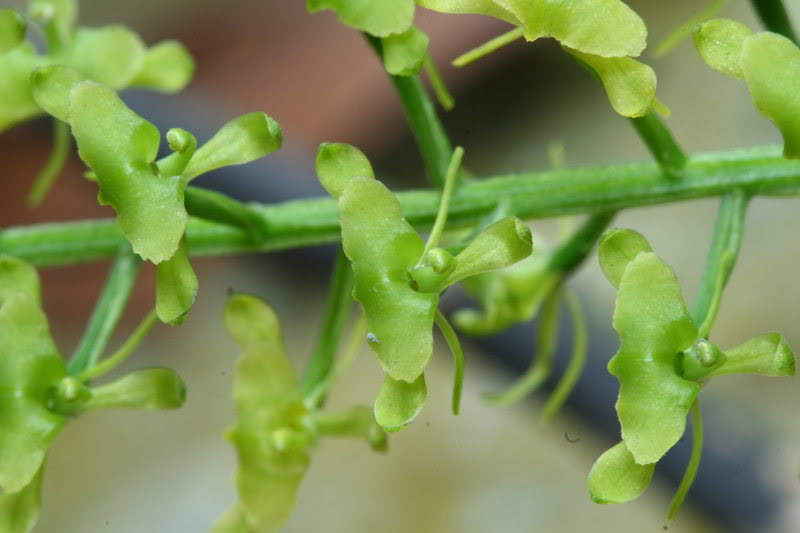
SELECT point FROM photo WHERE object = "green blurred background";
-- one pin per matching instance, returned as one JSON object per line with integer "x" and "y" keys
{"x": 489, "y": 470}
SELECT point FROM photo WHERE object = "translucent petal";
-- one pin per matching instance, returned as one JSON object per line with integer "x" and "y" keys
{"x": 607, "y": 28}
{"x": 148, "y": 389}
{"x": 377, "y": 18}
{"x": 337, "y": 163}
{"x": 618, "y": 247}
{"x": 399, "y": 402}
{"x": 477, "y": 7}
{"x": 500, "y": 245}
{"x": 167, "y": 67}
{"x": 616, "y": 478}
{"x": 120, "y": 147}
{"x": 176, "y": 286}
{"x": 630, "y": 85}
{"x": 771, "y": 66}
{"x": 29, "y": 367}
{"x": 19, "y": 511}
{"x": 654, "y": 325}
{"x": 241, "y": 140}
{"x": 404, "y": 53}
{"x": 719, "y": 43}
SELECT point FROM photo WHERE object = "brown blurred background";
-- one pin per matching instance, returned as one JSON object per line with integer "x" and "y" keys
{"x": 488, "y": 470}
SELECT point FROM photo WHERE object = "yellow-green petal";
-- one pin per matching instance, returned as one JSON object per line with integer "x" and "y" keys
{"x": 19, "y": 511}
{"x": 771, "y": 67}
{"x": 617, "y": 478}
{"x": 404, "y": 53}
{"x": 120, "y": 147}
{"x": 607, "y": 28}
{"x": 719, "y": 43}
{"x": 765, "y": 355}
{"x": 617, "y": 248}
{"x": 30, "y": 366}
{"x": 337, "y": 163}
{"x": 377, "y": 18}
{"x": 629, "y": 84}
{"x": 399, "y": 402}
{"x": 176, "y": 287}
{"x": 52, "y": 85}
{"x": 474, "y": 7}
{"x": 500, "y": 245}
{"x": 242, "y": 140}
{"x": 654, "y": 326}
{"x": 167, "y": 67}
{"x": 148, "y": 389}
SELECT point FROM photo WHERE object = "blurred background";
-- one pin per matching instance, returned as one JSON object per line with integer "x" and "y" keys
{"x": 490, "y": 469}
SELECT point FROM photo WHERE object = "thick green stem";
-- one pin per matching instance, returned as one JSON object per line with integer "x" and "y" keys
{"x": 340, "y": 302}
{"x": 108, "y": 310}
{"x": 721, "y": 258}
{"x": 774, "y": 16}
{"x": 297, "y": 223}
{"x": 661, "y": 143}
{"x": 428, "y": 131}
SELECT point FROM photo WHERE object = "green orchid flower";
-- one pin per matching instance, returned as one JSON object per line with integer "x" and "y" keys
{"x": 276, "y": 430}
{"x": 112, "y": 55}
{"x": 661, "y": 364}
{"x": 398, "y": 278}
{"x": 120, "y": 148}
{"x": 770, "y": 65}
{"x": 38, "y": 396}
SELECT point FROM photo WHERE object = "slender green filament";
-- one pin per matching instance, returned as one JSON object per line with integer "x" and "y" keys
{"x": 458, "y": 357}
{"x": 437, "y": 83}
{"x": 488, "y": 47}
{"x": 55, "y": 163}
{"x": 576, "y": 363}
{"x": 118, "y": 357}
{"x": 444, "y": 205}
{"x": 541, "y": 369}
{"x": 694, "y": 461}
